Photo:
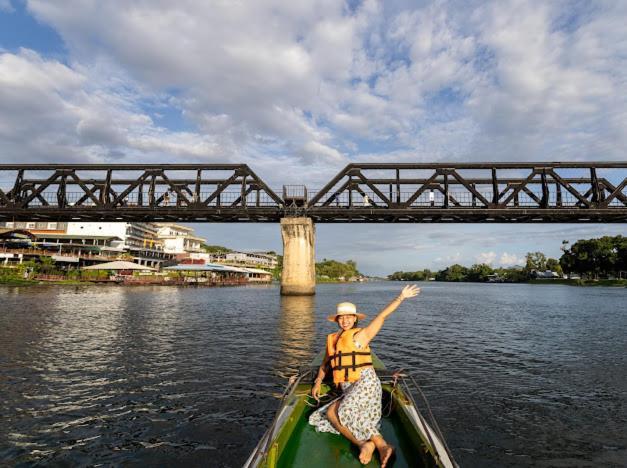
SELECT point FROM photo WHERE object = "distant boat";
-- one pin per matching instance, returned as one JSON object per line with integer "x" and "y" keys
{"x": 292, "y": 442}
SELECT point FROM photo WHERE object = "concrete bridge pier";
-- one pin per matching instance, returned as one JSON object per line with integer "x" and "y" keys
{"x": 299, "y": 265}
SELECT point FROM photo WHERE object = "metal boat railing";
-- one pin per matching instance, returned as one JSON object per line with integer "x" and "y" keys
{"x": 406, "y": 382}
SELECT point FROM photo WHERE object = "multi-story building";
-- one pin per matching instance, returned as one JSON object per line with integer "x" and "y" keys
{"x": 179, "y": 240}
{"x": 139, "y": 240}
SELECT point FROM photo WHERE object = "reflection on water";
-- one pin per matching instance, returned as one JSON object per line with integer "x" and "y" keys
{"x": 517, "y": 375}
{"x": 297, "y": 321}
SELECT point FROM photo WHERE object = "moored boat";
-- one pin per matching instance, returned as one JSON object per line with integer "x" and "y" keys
{"x": 292, "y": 442}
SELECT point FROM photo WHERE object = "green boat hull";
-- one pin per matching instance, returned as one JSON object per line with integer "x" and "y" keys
{"x": 293, "y": 442}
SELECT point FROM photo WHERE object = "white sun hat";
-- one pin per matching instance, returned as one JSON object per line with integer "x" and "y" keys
{"x": 346, "y": 308}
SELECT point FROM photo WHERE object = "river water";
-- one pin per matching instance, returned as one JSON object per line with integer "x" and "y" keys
{"x": 517, "y": 375}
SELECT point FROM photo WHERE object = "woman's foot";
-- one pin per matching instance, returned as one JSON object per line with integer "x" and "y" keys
{"x": 365, "y": 452}
{"x": 385, "y": 453}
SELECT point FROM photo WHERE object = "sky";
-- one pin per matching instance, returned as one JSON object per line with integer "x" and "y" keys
{"x": 297, "y": 90}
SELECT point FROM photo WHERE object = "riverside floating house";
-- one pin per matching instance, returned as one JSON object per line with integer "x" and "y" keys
{"x": 257, "y": 275}
{"x": 210, "y": 274}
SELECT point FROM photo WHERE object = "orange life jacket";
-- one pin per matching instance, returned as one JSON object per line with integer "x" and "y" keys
{"x": 345, "y": 358}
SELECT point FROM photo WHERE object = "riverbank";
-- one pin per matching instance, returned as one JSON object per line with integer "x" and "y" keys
{"x": 568, "y": 282}
{"x": 580, "y": 282}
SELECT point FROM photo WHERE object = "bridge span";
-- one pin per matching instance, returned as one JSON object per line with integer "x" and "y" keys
{"x": 537, "y": 192}
{"x": 375, "y": 193}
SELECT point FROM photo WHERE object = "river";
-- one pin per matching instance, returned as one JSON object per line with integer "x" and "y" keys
{"x": 517, "y": 375}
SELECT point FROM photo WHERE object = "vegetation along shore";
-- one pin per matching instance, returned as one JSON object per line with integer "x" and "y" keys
{"x": 588, "y": 262}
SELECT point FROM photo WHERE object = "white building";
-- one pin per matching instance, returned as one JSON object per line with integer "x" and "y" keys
{"x": 138, "y": 239}
{"x": 261, "y": 259}
{"x": 179, "y": 240}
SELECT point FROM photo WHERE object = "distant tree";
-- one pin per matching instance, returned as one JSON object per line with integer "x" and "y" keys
{"x": 554, "y": 265}
{"x": 421, "y": 275}
{"x": 535, "y": 261}
{"x": 479, "y": 272}
{"x": 46, "y": 264}
{"x": 512, "y": 275}
{"x": 278, "y": 269}
{"x": 334, "y": 269}
{"x": 620, "y": 244}
{"x": 595, "y": 257}
{"x": 453, "y": 273}
{"x": 215, "y": 249}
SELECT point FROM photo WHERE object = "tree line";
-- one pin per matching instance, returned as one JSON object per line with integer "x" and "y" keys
{"x": 333, "y": 269}
{"x": 588, "y": 258}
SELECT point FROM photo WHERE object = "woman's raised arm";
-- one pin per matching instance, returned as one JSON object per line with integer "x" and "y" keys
{"x": 365, "y": 335}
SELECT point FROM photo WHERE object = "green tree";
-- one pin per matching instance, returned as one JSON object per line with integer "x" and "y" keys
{"x": 535, "y": 261}
{"x": 334, "y": 269}
{"x": 278, "y": 270}
{"x": 554, "y": 265}
{"x": 453, "y": 273}
{"x": 595, "y": 257}
{"x": 479, "y": 272}
{"x": 421, "y": 275}
{"x": 620, "y": 244}
{"x": 215, "y": 249}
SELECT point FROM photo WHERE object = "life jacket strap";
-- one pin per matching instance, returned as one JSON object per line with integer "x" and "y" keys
{"x": 351, "y": 366}
{"x": 356, "y": 353}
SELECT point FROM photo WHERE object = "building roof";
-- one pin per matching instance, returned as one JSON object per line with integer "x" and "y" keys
{"x": 118, "y": 265}
{"x": 175, "y": 226}
{"x": 205, "y": 267}
{"x": 186, "y": 236}
{"x": 256, "y": 270}
{"x": 8, "y": 233}
{"x": 74, "y": 236}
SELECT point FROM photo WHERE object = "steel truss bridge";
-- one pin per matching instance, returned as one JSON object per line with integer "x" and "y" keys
{"x": 543, "y": 192}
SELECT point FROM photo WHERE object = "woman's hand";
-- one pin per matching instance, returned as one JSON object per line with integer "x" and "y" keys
{"x": 409, "y": 291}
{"x": 315, "y": 391}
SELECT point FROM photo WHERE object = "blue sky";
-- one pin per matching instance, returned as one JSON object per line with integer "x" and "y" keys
{"x": 299, "y": 90}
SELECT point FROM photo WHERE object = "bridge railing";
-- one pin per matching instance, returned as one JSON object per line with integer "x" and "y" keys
{"x": 457, "y": 199}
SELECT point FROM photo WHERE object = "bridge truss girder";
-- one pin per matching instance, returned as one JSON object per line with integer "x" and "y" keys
{"x": 381, "y": 193}
{"x": 474, "y": 192}
{"x": 182, "y": 192}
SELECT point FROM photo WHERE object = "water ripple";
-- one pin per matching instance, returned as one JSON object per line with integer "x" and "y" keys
{"x": 518, "y": 375}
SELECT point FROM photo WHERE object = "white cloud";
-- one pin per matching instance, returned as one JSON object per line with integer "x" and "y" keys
{"x": 317, "y": 83}
{"x": 453, "y": 258}
{"x": 486, "y": 257}
{"x": 48, "y": 112}
{"x": 550, "y": 92}
{"x": 507, "y": 259}
{"x": 6, "y": 6}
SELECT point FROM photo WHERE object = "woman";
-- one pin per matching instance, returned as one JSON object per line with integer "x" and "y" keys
{"x": 357, "y": 413}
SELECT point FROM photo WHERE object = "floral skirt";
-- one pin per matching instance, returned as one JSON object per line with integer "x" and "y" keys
{"x": 359, "y": 409}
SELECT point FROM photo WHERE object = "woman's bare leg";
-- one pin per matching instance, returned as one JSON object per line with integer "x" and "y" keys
{"x": 385, "y": 450}
{"x": 366, "y": 448}
{"x": 335, "y": 422}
